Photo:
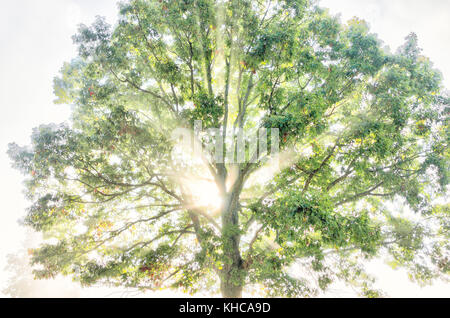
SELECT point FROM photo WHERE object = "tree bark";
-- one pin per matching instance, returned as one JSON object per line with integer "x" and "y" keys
{"x": 230, "y": 290}
{"x": 233, "y": 274}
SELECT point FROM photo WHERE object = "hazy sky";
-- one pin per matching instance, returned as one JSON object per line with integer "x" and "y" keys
{"x": 36, "y": 39}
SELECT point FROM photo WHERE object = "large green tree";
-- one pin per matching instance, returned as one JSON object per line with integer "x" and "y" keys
{"x": 359, "y": 126}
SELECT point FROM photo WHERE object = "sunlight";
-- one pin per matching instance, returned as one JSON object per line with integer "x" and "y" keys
{"x": 205, "y": 194}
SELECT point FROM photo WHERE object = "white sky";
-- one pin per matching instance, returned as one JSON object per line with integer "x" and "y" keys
{"x": 35, "y": 40}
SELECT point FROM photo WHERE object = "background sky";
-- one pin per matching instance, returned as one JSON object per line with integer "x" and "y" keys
{"x": 35, "y": 40}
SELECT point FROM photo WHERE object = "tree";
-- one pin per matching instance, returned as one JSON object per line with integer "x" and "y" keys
{"x": 21, "y": 283}
{"x": 359, "y": 126}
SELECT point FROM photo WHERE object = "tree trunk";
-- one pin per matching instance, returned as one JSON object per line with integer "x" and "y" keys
{"x": 229, "y": 290}
{"x": 232, "y": 275}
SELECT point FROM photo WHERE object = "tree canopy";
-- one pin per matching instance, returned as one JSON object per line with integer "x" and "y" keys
{"x": 359, "y": 127}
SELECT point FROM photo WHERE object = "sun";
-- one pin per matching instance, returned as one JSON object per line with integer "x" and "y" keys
{"x": 205, "y": 193}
